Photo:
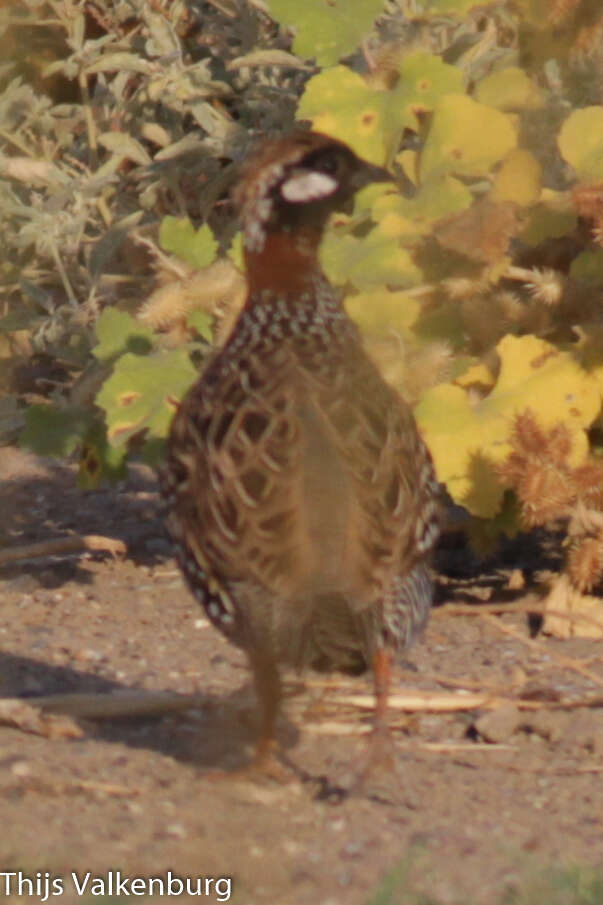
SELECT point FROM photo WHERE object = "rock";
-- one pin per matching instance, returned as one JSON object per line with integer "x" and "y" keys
{"x": 500, "y": 724}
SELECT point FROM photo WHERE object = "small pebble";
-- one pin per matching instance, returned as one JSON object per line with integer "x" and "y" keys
{"x": 21, "y": 768}
{"x": 499, "y": 725}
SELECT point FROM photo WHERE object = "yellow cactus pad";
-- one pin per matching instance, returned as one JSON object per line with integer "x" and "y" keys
{"x": 466, "y": 138}
{"x": 467, "y": 439}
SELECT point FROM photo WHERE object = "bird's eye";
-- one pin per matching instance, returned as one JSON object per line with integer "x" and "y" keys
{"x": 328, "y": 163}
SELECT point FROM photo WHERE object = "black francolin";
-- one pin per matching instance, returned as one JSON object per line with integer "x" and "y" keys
{"x": 301, "y": 498}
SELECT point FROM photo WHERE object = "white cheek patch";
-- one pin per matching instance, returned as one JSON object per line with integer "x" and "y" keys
{"x": 308, "y": 185}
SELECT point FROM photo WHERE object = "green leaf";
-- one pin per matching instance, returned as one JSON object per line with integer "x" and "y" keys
{"x": 519, "y": 179}
{"x": 509, "y": 89}
{"x": 202, "y": 322}
{"x": 326, "y": 29}
{"x": 340, "y": 103}
{"x": 466, "y": 138}
{"x": 143, "y": 392}
{"x": 581, "y": 142}
{"x": 50, "y": 431}
{"x": 235, "y": 252}
{"x": 411, "y": 218}
{"x": 371, "y": 261}
{"x": 117, "y": 332}
{"x": 424, "y": 78}
{"x": 195, "y": 246}
{"x": 380, "y": 311}
{"x": 99, "y": 460}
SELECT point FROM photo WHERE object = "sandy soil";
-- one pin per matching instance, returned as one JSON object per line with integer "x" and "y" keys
{"x": 479, "y": 801}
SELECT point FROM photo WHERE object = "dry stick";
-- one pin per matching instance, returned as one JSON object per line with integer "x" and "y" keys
{"x": 425, "y": 701}
{"x": 106, "y": 788}
{"x": 466, "y": 609}
{"x": 565, "y": 662}
{"x": 58, "y": 787}
{"x": 110, "y": 706}
{"x": 62, "y": 272}
{"x": 441, "y": 702}
{"x": 73, "y": 544}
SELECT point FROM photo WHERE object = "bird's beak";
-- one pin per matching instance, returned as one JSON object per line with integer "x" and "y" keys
{"x": 370, "y": 173}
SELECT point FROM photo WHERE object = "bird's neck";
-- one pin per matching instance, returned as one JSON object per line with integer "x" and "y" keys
{"x": 286, "y": 264}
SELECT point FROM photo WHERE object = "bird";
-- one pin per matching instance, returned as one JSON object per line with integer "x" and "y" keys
{"x": 300, "y": 496}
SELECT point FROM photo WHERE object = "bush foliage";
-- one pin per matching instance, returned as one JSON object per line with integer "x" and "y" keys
{"x": 479, "y": 291}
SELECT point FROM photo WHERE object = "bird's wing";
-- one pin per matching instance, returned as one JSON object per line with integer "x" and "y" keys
{"x": 259, "y": 491}
{"x": 394, "y": 479}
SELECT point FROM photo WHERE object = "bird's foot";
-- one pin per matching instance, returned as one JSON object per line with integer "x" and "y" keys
{"x": 379, "y": 756}
{"x": 266, "y": 766}
{"x": 381, "y": 776}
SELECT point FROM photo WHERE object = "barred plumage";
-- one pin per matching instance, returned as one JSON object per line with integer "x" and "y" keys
{"x": 301, "y": 498}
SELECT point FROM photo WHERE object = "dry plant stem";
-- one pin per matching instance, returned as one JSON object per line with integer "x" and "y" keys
{"x": 478, "y": 609}
{"x": 112, "y": 706}
{"x": 14, "y": 140}
{"x": 56, "y": 787}
{"x": 167, "y": 261}
{"x": 565, "y": 662}
{"x": 105, "y": 788}
{"x": 56, "y": 546}
{"x": 227, "y": 9}
{"x": 441, "y": 702}
{"x": 63, "y": 273}
{"x": 90, "y": 124}
{"x": 103, "y": 209}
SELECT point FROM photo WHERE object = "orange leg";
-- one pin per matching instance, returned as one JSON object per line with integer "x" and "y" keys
{"x": 265, "y": 763}
{"x": 380, "y": 744}
{"x": 269, "y": 691}
{"x": 382, "y": 672}
{"x": 379, "y": 750}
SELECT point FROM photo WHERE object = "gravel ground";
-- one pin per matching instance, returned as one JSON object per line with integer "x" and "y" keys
{"x": 480, "y": 800}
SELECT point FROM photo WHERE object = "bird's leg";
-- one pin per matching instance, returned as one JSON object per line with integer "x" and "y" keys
{"x": 380, "y": 745}
{"x": 379, "y": 751}
{"x": 268, "y": 688}
{"x": 382, "y": 669}
{"x": 265, "y": 763}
